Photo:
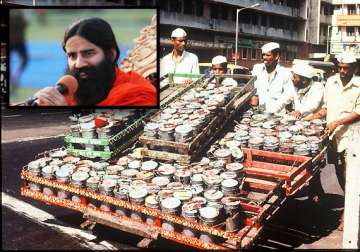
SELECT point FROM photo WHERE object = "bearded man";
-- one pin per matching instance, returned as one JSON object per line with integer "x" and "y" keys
{"x": 92, "y": 54}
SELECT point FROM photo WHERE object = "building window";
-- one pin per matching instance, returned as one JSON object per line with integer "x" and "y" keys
{"x": 163, "y": 5}
{"x": 224, "y": 12}
{"x": 351, "y": 9}
{"x": 188, "y": 7}
{"x": 130, "y": 2}
{"x": 175, "y": 6}
{"x": 253, "y": 54}
{"x": 263, "y": 19}
{"x": 199, "y": 8}
{"x": 244, "y": 53}
{"x": 245, "y": 17}
{"x": 255, "y": 19}
{"x": 214, "y": 10}
{"x": 233, "y": 15}
{"x": 350, "y": 31}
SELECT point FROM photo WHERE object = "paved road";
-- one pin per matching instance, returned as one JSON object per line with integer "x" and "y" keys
{"x": 27, "y": 224}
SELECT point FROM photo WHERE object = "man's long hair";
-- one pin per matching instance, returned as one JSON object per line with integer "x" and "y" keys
{"x": 95, "y": 30}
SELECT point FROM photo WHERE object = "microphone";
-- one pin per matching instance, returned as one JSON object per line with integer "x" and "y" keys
{"x": 66, "y": 85}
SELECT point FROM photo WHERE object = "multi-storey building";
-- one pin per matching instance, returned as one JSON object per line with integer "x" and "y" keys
{"x": 345, "y": 28}
{"x": 84, "y": 2}
{"x": 210, "y": 25}
{"x": 337, "y": 28}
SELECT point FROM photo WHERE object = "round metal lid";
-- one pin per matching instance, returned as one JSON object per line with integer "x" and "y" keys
{"x": 170, "y": 203}
{"x": 285, "y": 134}
{"x": 134, "y": 164}
{"x": 100, "y": 165}
{"x": 166, "y": 169}
{"x": 237, "y": 153}
{"x": 49, "y": 169}
{"x": 129, "y": 173}
{"x": 183, "y": 129}
{"x": 235, "y": 167}
{"x": 210, "y": 173}
{"x": 229, "y": 183}
{"x": 295, "y": 128}
{"x": 86, "y": 118}
{"x": 169, "y": 111}
{"x": 165, "y": 116}
{"x": 62, "y": 173}
{"x": 93, "y": 180}
{"x": 213, "y": 195}
{"x": 149, "y": 165}
{"x": 189, "y": 208}
{"x": 34, "y": 165}
{"x": 108, "y": 183}
{"x": 228, "y": 175}
{"x": 183, "y": 195}
{"x": 175, "y": 186}
{"x": 167, "y": 127}
{"x": 268, "y": 125}
{"x": 299, "y": 138}
{"x": 183, "y": 172}
{"x": 259, "y": 117}
{"x": 137, "y": 192}
{"x": 68, "y": 167}
{"x": 58, "y": 154}
{"x": 197, "y": 177}
{"x": 209, "y": 212}
{"x": 114, "y": 169}
{"x": 145, "y": 175}
{"x": 151, "y": 126}
{"x": 160, "y": 181}
{"x": 196, "y": 189}
{"x": 123, "y": 161}
{"x": 80, "y": 176}
{"x": 232, "y": 144}
{"x": 230, "y": 201}
{"x": 256, "y": 140}
{"x": 222, "y": 153}
{"x": 88, "y": 126}
{"x": 71, "y": 159}
{"x": 152, "y": 201}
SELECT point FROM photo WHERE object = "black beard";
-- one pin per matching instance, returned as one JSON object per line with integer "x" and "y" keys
{"x": 97, "y": 85}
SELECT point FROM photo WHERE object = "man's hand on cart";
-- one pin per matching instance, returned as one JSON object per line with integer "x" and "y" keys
{"x": 296, "y": 114}
{"x": 331, "y": 127}
{"x": 187, "y": 82}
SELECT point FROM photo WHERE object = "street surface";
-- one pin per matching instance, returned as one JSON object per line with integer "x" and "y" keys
{"x": 28, "y": 224}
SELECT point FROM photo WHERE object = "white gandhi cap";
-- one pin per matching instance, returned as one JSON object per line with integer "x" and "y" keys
{"x": 178, "y": 33}
{"x": 346, "y": 58}
{"x": 218, "y": 60}
{"x": 269, "y": 47}
{"x": 303, "y": 69}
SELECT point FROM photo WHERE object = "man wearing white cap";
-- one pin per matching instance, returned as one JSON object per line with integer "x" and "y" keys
{"x": 342, "y": 108}
{"x": 273, "y": 83}
{"x": 308, "y": 95}
{"x": 179, "y": 60}
{"x": 219, "y": 66}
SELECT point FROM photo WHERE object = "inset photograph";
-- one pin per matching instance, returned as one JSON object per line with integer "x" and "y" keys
{"x": 83, "y": 57}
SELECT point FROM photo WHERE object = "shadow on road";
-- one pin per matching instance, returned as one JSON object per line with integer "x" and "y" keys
{"x": 302, "y": 222}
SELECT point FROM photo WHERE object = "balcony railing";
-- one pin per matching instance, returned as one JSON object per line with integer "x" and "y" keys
{"x": 217, "y": 25}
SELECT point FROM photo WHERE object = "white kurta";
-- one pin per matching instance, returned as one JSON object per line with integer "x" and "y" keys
{"x": 340, "y": 102}
{"x": 188, "y": 64}
{"x": 275, "y": 93}
{"x": 311, "y": 101}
